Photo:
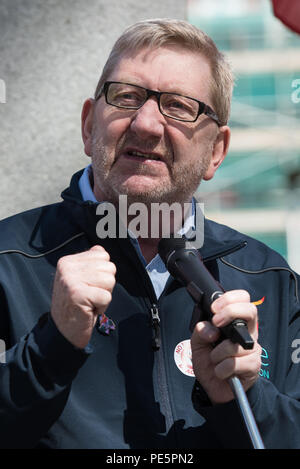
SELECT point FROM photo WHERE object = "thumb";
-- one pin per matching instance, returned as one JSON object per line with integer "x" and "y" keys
{"x": 204, "y": 335}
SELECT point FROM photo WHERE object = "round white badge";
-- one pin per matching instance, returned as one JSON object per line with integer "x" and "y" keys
{"x": 183, "y": 358}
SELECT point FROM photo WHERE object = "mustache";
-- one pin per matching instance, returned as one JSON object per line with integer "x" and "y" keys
{"x": 130, "y": 140}
{"x": 149, "y": 145}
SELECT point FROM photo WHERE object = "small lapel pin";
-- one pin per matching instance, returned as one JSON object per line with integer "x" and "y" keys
{"x": 105, "y": 325}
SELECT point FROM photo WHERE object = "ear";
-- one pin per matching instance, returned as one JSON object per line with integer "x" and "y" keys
{"x": 219, "y": 153}
{"x": 87, "y": 116}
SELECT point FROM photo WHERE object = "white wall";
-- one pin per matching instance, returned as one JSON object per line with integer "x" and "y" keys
{"x": 51, "y": 56}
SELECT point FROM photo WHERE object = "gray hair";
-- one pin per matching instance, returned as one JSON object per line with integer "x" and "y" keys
{"x": 156, "y": 33}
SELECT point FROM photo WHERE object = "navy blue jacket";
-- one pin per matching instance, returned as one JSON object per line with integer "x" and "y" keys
{"x": 119, "y": 392}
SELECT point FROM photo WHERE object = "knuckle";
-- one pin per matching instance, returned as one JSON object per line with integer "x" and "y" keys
{"x": 62, "y": 262}
{"x": 255, "y": 364}
{"x": 107, "y": 279}
{"x": 253, "y": 310}
{"x": 245, "y": 294}
{"x": 230, "y": 310}
{"x": 105, "y": 256}
{"x": 113, "y": 268}
{"x": 225, "y": 368}
{"x": 73, "y": 292}
{"x": 97, "y": 247}
{"x": 100, "y": 251}
{"x": 113, "y": 280}
{"x": 110, "y": 283}
{"x": 258, "y": 351}
{"x": 237, "y": 295}
{"x": 106, "y": 297}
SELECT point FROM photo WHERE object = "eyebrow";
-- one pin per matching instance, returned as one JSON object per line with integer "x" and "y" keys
{"x": 174, "y": 90}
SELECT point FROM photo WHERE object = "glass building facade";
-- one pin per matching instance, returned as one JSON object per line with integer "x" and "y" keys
{"x": 257, "y": 188}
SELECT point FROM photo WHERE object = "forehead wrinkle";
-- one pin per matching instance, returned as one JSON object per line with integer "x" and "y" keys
{"x": 127, "y": 71}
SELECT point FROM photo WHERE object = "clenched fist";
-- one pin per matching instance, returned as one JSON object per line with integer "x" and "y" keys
{"x": 82, "y": 290}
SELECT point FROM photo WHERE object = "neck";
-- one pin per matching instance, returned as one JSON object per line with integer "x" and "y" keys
{"x": 152, "y": 222}
{"x": 149, "y": 248}
{"x": 152, "y": 227}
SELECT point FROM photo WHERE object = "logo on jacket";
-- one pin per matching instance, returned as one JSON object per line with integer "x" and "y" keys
{"x": 264, "y": 372}
{"x": 259, "y": 302}
{"x": 183, "y": 358}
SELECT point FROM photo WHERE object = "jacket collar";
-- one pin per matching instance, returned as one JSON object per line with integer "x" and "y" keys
{"x": 219, "y": 240}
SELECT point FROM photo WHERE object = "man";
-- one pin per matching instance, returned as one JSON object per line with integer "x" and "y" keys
{"x": 97, "y": 332}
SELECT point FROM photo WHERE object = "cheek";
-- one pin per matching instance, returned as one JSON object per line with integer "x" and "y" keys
{"x": 108, "y": 128}
{"x": 202, "y": 148}
{"x": 186, "y": 151}
{"x": 115, "y": 129}
{"x": 189, "y": 143}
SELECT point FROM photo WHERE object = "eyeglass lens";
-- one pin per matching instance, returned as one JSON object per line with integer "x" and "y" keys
{"x": 133, "y": 97}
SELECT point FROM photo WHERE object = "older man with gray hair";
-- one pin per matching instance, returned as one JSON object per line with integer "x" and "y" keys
{"x": 99, "y": 348}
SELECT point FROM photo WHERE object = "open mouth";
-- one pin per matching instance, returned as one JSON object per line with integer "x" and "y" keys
{"x": 143, "y": 156}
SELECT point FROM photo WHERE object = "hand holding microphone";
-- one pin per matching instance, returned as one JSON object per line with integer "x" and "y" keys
{"x": 230, "y": 315}
{"x": 186, "y": 265}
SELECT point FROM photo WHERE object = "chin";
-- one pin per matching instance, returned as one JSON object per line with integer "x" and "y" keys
{"x": 145, "y": 192}
{"x": 148, "y": 190}
{"x": 148, "y": 197}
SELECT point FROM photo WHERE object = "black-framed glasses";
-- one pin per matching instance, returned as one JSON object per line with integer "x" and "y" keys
{"x": 173, "y": 105}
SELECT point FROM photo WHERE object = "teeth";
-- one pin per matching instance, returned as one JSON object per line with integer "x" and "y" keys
{"x": 144, "y": 155}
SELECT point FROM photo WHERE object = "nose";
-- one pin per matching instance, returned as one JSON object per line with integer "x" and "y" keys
{"x": 148, "y": 121}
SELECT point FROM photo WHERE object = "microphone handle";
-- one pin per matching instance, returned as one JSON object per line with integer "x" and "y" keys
{"x": 237, "y": 330}
{"x": 245, "y": 409}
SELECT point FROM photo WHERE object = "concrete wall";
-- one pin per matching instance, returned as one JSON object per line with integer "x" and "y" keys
{"x": 51, "y": 56}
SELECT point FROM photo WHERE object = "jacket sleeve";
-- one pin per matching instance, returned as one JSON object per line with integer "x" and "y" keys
{"x": 277, "y": 416}
{"x": 275, "y": 404}
{"x": 35, "y": 380}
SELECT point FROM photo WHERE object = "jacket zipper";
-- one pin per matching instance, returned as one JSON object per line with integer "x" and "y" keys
{"x": 155, "y": 322}
{"x": 162, "y": 385}
{"x": 155, "y": 319}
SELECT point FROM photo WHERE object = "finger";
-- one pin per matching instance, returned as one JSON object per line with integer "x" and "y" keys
{"x": 101, "y": 279}
{"x": 230, "y": 312}
{"x": 108, "y": 267}
{"x": 227, "y": 349}
{"x": 231, "y": 296}
{"x": 92, "y": 272}
{"x": 246, "y": 367}
{"x": 97, "y": 251}
{"x": 99, "y": 299}
{"x": 204, "y": 334}
{"x": 101, "y": 266}
{"x": 82, "y": 260}
{"x": 97, "y": 248}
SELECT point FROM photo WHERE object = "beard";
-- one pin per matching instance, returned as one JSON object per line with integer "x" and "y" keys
{"x": 179, "y": 185}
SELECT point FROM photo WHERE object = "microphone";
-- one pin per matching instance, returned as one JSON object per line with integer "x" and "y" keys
{"x": 186, "y": 265}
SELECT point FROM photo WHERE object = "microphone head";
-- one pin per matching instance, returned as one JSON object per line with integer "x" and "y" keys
{"x": 168, "y": 245}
